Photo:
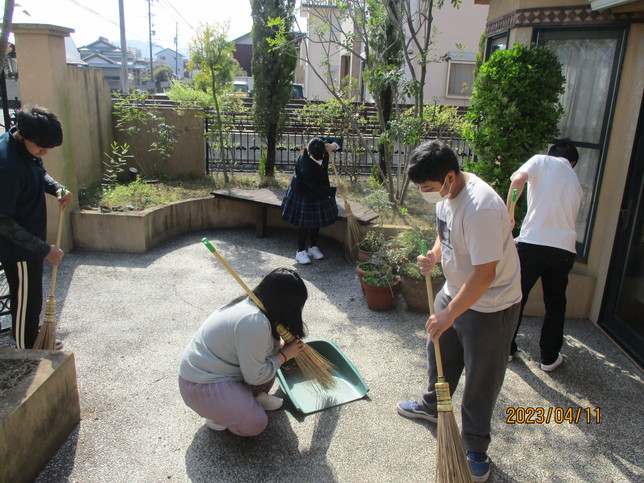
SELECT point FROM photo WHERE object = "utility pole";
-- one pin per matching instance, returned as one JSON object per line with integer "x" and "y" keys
{"x": 150, "y": 32}
{"x": 176, "y": 50}
{"x": 125, "y": 85}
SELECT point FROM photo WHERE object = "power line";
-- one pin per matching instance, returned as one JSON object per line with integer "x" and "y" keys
{"x": 169, "y": 4}
{"x": 93, "y": 12}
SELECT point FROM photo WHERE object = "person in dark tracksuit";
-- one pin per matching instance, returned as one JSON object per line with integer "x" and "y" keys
{"x": 309, "y": 202}
{"x": 23, "y": 216}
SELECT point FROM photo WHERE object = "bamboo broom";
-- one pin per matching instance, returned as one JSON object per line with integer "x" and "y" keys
{"x": 313, "y": 365}
{"x": 354, "y": 233}
{"x": 46, "y": 339}
{"x": 451, "y": 462}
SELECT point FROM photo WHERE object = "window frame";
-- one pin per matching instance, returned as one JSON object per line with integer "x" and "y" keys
{"x": 449, "y": 75}
{"x": 542, "y": 34}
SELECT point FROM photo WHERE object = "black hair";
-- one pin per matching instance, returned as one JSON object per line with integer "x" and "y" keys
{"x": 40, "y": 126}
{"x": 431, "y": 161}
{"x": 564, "y": 148}
{"x": 316, "y": 148}
{"x": 283, "y": 294}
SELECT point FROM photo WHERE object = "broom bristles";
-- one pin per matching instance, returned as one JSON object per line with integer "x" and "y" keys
{"x": 354, "y": 234}
{"x": 451, "y": 462}
{"x": 314, "y": 366}
{"x": 46, "y": 339}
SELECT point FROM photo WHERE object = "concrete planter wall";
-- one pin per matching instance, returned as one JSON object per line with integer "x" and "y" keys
{"x": 38, "y": 414}
{"x": 138, "y": 232}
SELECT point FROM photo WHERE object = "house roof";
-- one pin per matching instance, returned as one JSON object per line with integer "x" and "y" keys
{"x": 170, "y": 51}
{"x": 100, "y": 44}
{"x": 245, "y": 39}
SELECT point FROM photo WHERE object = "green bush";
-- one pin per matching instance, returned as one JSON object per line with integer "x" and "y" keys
{"x": 515, "y": 112}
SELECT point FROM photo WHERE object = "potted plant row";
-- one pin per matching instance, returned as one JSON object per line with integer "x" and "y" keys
{"x": 391, "y": 267}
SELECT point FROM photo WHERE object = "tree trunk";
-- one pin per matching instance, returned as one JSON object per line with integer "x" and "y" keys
{"x": 271, "y": 142}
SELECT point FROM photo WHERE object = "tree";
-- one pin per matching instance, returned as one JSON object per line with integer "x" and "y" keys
{"x": 212, "y": 55}
{"x": 272, "y": 70}
{"x": 393, "y": 41}
{"x": 515, "y": 111}
{"x": 163, "y": 73}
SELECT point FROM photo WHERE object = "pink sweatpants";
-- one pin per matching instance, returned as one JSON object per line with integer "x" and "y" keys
{"x": 229, "y": 403}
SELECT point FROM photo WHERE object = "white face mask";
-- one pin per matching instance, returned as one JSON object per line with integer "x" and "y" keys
{"x": 435, "y": 196}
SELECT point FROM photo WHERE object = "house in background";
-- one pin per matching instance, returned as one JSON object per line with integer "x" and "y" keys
{"x": 244, "y": 55}
{"x": 600, "y": 44}
{"x": 106, "y": 56}
{"x": 457, "y": 36}
{"x": 172, "y": 59}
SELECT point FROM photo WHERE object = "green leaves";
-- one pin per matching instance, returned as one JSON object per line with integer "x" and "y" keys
{"x": 515, "y": 111}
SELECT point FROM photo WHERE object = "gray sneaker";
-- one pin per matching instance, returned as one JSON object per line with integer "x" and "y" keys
{"x": 413, "y": 410}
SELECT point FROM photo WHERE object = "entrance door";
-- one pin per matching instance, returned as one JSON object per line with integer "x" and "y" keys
{"x": 623, "y": 309}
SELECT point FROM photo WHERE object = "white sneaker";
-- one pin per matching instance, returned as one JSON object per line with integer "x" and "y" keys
{"x": 315, "y": 253}
{"x": 554, "y": 365}
{"x": 302, "y": 258}
{"x": 268, "y": 402}
{"x": 214, "y": 425}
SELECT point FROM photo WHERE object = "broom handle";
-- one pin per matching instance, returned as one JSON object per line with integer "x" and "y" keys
{"x": 513, "y": 202}
{"x": 59, "y": 235}
{"x": 232, "y": 272}
{"x": 430, "y": 299}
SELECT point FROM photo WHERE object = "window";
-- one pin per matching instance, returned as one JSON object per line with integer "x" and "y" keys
{"x": 591, "y": 59}
{"x": 460, "y": 74}
{"x": 498, "y": 42}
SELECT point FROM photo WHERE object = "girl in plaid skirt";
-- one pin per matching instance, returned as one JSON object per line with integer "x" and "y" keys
{"x": 310, "y": 200}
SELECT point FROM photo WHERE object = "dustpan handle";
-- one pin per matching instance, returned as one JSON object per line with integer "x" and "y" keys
{"x": 430, "y": 300}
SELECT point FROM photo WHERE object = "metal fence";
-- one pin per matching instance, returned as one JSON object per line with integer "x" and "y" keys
{"x": 243, "y": 146}
{"x": 244, "y": 150}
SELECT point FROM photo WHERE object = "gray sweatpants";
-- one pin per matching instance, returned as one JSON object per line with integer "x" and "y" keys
{"x": 479, "y": 343}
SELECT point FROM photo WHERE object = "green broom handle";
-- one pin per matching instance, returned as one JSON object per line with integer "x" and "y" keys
{"x": 232, "y": 272}
{"x": 513, "y": 201}
{"x": 59, "y": 235}
{"x": 430, "y": 299}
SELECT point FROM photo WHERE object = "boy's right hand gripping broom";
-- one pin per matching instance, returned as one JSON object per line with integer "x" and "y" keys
{"x": 46, "y": 339}
{"x": 451, "y": 462}
{"x": 314, "y": 366}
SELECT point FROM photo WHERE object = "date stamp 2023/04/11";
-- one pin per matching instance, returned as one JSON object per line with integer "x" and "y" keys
{"x": 557, "y": 415}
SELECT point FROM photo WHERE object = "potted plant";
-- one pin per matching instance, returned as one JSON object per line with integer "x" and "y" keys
{"x": 412, "y": 282}
{"x": 380, "y": 287}
{"x": 413, "y": 286}
{"x": 373, "y": 241}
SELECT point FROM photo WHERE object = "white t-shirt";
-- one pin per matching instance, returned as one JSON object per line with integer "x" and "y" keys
{"x": 474, "y": 228}
{"x": 554, "y": 198}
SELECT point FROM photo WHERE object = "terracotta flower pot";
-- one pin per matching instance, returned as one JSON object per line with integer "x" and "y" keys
{"x": 364, "y": 256}
{"x": 414, "y": 292}
{"x": 380, "y": 298}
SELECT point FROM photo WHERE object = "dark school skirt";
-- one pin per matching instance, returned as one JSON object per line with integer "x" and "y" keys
{"x": 308, "y": 213}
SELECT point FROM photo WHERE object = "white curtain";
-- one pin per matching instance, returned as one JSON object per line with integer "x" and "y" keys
{"x": 587, "y": 66}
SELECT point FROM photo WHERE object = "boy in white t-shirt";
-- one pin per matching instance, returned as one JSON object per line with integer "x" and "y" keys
{"x": 546, "y": 244}
{"x": 478, "y": 308}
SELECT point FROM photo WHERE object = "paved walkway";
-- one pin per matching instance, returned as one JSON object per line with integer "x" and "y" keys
{"x": 128, "y": 317}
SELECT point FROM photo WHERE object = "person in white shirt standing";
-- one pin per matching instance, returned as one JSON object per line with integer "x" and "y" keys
{"x": 478, "y": 307}
{"x": 546, "y": 243}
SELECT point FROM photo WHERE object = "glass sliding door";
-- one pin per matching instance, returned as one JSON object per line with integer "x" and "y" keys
{"x": 591, "y": 60}
{"x": 623, "y": 308}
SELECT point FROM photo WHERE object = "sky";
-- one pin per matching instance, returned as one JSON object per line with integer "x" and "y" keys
{"x": 100, "y": 18}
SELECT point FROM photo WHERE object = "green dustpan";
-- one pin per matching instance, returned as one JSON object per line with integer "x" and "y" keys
{"x": 308, "y": 397}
